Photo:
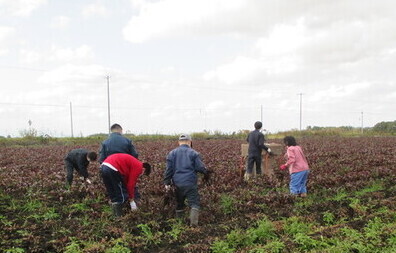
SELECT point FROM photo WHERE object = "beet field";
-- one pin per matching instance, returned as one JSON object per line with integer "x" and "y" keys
{"x": 351, "y": 203}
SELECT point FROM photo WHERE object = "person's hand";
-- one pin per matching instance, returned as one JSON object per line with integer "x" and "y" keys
{"x": 207, "y": 176}
{"x": 283, "y": 167}
{"x": 269, "y": 151}
{"x": 88, "y": 181}
{"x": 167, "y": 188}
{"x": 133, "y": 205}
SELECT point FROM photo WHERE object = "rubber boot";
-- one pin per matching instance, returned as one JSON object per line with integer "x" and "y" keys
{"x": 194, "y": 214}
{"x": 117, "y": 209}
{"x": 248, "y": 177}
{"x": 179, "y": 214}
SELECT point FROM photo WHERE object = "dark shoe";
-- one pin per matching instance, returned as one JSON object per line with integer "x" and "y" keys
{"x": 194, "y": 214}
{"x": 179, "y": 214}
{"x": 117, "y": 209}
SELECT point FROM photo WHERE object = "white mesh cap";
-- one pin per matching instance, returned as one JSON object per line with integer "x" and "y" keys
{"x": 184, "y": 137}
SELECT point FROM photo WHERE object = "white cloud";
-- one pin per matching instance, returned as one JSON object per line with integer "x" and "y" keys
{"x": 29, "y": 57}
{"x": 95, "y": 9}
{"x": 68, "y": 54}
{"x": 176, "y": 17}
{"x": 60, "y": 22}
{"x": 74, "y": 74}
{"x": 243, "y": 69}
{"x": 5, "y": 33}
{"x": 20, "y": 8}
{"x": 58, "y": 54}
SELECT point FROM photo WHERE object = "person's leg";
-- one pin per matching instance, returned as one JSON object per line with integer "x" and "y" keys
{"x": 303, "y": 183}
{"x": 115, "y": 187}
{"x": 180, "y": 198}
{"x": 258, "y": 164}
{"x": 250, "y": 164}
{"x": 69, "y": 173}
{"x": 294, "y": 184}
{"x": 194, "y": 202}
{"x": 137, "y": 194}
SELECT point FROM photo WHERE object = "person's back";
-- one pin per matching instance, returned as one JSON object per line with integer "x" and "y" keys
{"x": 256, "y": 145}
{"x": 77, "y": 155}
{"x": 186, "y": 163}
{"x": 182, "y": 165}
{"x": 78, "y": 159}
{"x": 256, "y": 141}
{"x": 117, "y": 143}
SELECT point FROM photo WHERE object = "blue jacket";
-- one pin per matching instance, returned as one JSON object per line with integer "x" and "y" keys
{"x": 116, "y": 143}
{"x": 182, "y": 165}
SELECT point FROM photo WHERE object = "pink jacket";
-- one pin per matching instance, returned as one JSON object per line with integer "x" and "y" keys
{"x": 296, "y": 160}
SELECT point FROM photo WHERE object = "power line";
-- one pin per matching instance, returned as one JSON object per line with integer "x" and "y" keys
{"x": 23, "y": 68}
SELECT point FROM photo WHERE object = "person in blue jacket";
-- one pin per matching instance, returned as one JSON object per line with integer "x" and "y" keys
{"x": 117, "y": 143}
{"x": 182, "y": 165}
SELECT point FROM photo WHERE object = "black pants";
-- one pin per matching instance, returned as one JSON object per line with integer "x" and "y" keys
{"x": 115, "y": 186}
{"x": 187, "y": 192}
{"x": 69, "y": 171}
{"x": 254, "y": 159}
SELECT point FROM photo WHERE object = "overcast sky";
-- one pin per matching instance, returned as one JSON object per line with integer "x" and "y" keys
{"x": 189, "y": 65}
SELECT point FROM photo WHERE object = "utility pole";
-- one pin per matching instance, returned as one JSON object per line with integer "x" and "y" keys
{"x": 108, "y": 101}
{"x": 361, "y": 131}
{"x": 261, "y": 113}
{"x": 300, "y": 94}
{"x": 71, "y": 119}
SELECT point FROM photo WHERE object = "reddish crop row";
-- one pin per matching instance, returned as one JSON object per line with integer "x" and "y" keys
{"x": 39, "y": 214}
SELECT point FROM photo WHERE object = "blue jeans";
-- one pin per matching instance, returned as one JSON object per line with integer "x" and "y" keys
{"x": 187, "y": 192}
{"x": 298, "y": 182}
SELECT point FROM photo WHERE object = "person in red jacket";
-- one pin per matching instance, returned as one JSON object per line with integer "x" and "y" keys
{"x": 120, "y": 173}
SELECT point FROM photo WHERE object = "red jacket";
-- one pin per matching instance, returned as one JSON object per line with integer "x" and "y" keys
{"x": 129, "y": 167}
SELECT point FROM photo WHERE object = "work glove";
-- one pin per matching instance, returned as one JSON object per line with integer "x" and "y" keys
{"x": 207, "y": 176}
{"x": 167, "y": 188}
{"x": 133, "y": 205}
{"x": 283, "y": 167}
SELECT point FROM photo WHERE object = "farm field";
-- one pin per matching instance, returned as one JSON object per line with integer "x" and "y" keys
{"x": 351, "y": 204}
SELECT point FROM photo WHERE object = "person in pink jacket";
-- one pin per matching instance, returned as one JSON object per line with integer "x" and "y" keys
{"x": 297, "y": 165}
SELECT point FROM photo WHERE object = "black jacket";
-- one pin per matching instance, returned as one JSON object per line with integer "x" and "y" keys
{"x": 78, "y": 158}
{"x": 116, "y": 143}
{"x": 256, "y": 142}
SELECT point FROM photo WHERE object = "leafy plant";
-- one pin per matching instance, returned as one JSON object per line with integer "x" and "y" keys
{"x": 227, "y": 204}
{"x": 177, "y": 229}
{"x": 119, "y": 247}
{"x": 328, "y": 218}
{"x": 73, "y": 247}
{"x": 221, "y": 247}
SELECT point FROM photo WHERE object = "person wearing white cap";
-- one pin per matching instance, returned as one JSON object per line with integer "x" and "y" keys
{"x": 182, "y": 165}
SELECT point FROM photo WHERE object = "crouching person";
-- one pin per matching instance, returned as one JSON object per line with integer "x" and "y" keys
{"x": 120, "y": 173}
{"x": 78, "y": 160}
{"x": 182, "y": 166}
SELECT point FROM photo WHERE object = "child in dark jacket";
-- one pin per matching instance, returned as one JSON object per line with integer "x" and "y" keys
{"x": 78, "y": 159}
